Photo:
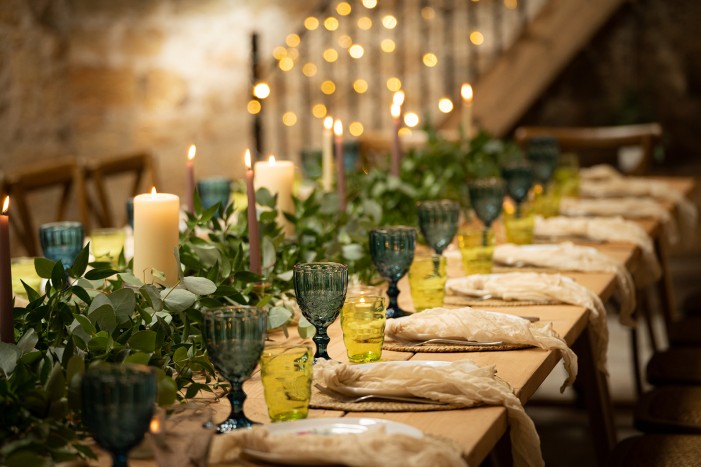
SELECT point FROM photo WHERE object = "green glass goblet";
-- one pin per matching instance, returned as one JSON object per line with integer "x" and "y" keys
{"x": 519, "y": 180}
{"x": 486, "y": 197}
{"x": 117, "y": 406}
{"x": 392, "y": 251}
{"x": 543, "y": 153}
{"x": 235, "y": 338}
{"x": 320, "y": 290}
{"x": 214, "y": 190}
{"x": 62, "y": 241}
{"x": 438, "y": 221}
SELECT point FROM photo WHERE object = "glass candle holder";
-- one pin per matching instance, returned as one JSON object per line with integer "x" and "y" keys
{"x": 427, "y": 278}
{"x": 363, "y": 324}
{"x": 107, "y": 244}
{"x": 286, "y": 373}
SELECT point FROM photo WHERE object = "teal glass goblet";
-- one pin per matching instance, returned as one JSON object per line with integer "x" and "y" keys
{"x": 320, "y": 290}
{"x": 519, "y": 180}
{"x": 543, "y": 153}
{"x": 117, "y": 406}
{"x": 235, "y": 337}
{"x": 392, "y": 251}
{"x": 438, "y": 221}
{"x": 487, "y": 197}
{"x": 62, "y": 241}
{"x": 214, "y": 190}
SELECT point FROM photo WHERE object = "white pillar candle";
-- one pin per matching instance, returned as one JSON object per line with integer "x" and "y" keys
{"x": 278, "y": 178}
{"x": 156, "y": 236}
{"x": 327, "y": 155}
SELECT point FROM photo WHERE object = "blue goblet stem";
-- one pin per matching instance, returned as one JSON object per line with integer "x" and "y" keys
{"x": 485, "y": 236}
{"x": 237, "y": 419}
{"x": 393, "y": 310}
{"x": 518, "y": 212}
{"x": 119, "y": 459}
{"x": 321, "y": 339}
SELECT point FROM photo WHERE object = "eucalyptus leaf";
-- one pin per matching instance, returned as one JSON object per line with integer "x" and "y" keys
{"x": 286, "y": 276}
{"x": 138, "y": 357}
{"x": 98, "y": 301}
{"x": 58, "y": 276}
{"x": 199, "y": 285}
{"x": 144, "y": 341}
{"x": 80, "y": 263}
{"x": 278, "y": 316}
{"x": 27, "y": 342}
{"x": 96, "y": 274}
{"x": 56, "y": 385}
{"x": 124, "y": 302}
{"x": 85, "y": 323}
{"x": 305, "y": 328}
{"x": 130, "y": 279}
{"x": 8, "y": 357}
{"x": 353, "y": 252}
{"x": 177, "y": 299}
{"x": 269, "y": 256}
{"x": 152, "y": 296}
{"x": 104, "y": 318}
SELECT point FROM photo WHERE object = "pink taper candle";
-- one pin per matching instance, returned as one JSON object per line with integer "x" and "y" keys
{"x": 253, "y": 235}
{"x": 191, "y": 177}
{"x": 466, "y": 115}
{"x": 396, "y": 151}
{"x": 340, "y": 168}
{"x": 6, "y": 320}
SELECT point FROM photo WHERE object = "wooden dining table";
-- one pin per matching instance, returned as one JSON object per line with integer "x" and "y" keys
{"x": 483, "y": 430}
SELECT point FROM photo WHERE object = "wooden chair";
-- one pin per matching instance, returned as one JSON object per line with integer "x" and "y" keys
{"x": 64, "y": 174}
{"x": 600, "y": 144}
{"x": 98, "y": 172}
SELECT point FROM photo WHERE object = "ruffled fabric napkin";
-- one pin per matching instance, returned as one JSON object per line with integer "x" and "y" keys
{"x": 536, "y": 287}
{"x": 374, "y": 447}
{"x": 598, "y": 172}
{"x": 610, "y": 229}
{"x": 628, "y": 207}
{"x": 570, "y": 257}
{"x": 482, "y": 326}
{"x": 458, "y": 383}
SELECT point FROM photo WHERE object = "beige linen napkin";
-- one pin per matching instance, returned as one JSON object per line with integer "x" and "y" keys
{"x": 457, "y": 383}
{"x": 374, "y": 447}
{"x": 610, "y": 229}
{"x": 598, "y": 172}
{"x": 570, "y": 257}
{"x": 627, "y": 207}
{"x": 534, "y": 286}
{"x": 482, "y": 326}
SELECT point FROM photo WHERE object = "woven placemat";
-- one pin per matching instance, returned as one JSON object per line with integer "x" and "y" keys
{"x": 443, "y": 348}
{"x": 322, "y": 401}
{"x": 469, "y": 301}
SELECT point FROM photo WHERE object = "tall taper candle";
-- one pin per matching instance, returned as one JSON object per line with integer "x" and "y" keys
{"x": 396, "y": 150}
{"x": 327, "y": 155}
{"x": 6, "y": 320}
{"x": 340, "y": 168}
{"x": 191, "y": 177}
{"x": 467, "y": 96}
{"x": 156, "y": 237}
{"x": 253, "y": 235}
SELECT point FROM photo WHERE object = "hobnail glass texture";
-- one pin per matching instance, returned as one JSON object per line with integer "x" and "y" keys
{"x": 438, "y": 221}
{"x": 543, "y": 154}
{"x": 486, "y": 197}
{"x": 213, "y": 191}
{"x": 392, "y": 251}
{"x": 519, "y": 179}
{"x": 62, "y": 241}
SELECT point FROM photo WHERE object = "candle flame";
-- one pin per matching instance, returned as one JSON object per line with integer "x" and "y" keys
{"x": 271, "y": 160}
{"x": 338, "y": 128}
{"x": 154, "y": 193}
{"x": 466, "y": 92}
{"x": 5, "y": 205}
{"x": 191, "y": 152}
{"x": 398, "y": 98}
{"x": 247, "y": 158}
{"x": 396, "y": 110}
{"x": 155, "y": 425}
{"x": 328, "y": 123}
{"x": 362, "y": 300}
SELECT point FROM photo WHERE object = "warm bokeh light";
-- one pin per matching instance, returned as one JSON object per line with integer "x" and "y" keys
{"x": 253, "y": 107}
{"x": 293, "y": 53}
{"x": 396, "y": 111}
{"x": 6, "y": 205}
{"x": 404, "y": 132}
{"x": 328, "y": 122}
{"x": 388, "y": 45}
{"x": 279, "y": 52}
{"x": 369, "y": 3}
{"x": 476, "y": 37}
{"x": 311, "y": 23}
{"x": 466, "y": 93}
{"x": 289, "y": 118}
{"x": 356, "y": 129}
{"x": 330, "y": 55}
{"x": 191, "y": 152}
{"x": 511, "y": 4}
{"x": 394, "y": 84}
{"x": 345, "y": 41}
{"x": 331, "y": 23}
{"x": 292, "y": 40}
{"x": 261, "y": 90}
{"x": 338, "y": 128}
{"x": 343, "y": 9}
{"x": 364, "y": 23}
{"x": 411, "y": 119}
{"x": 286, "y": 64}
{"x": 398, "y": 98}
{"x": 328, "y": 87}
{"x": 309, "y": 70}
{"x": 428, "y": 13}
{"x": 319, "y": 111}
{"x": 356, "y": 51}
{"x": 389, "y": 22}
{"x": 360, "y": 86}
{"x": 445, "y": 105}
{"x": 430, "y": 60}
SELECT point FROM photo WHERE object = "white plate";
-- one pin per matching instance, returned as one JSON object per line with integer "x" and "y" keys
{"x": 327, "y": 427}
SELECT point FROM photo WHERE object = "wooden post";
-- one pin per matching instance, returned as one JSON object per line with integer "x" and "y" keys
{"x": 257, "y": 128}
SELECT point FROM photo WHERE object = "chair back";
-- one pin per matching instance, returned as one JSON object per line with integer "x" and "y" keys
{"x": 601, "y": 144}
{"x": 98, "y": 174}
{"x": 64, "y": 175}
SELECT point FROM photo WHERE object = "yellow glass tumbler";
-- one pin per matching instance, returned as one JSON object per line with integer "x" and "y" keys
{"x": 363, "y": 323}
{"x": 427, "y": 278}
{"x": 476, "y": 256}
{"x": 286, "y": 373}
{"x": 107, "y": 244}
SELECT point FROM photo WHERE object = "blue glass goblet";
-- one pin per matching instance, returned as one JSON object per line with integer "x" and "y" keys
{"x": 543, "y": 153}
{"x": 519, "y": 179}
{"x": 214, "y": 190}
{"x": 235, "y": 338}
{"x": 62, "y": 241}
{"x": 438, "y": 221}
{"x": 486, "y": 197}
{"x": 117, "y": 406}
{"x": 392, "y": 251}
{"x": 320, "y": 290}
